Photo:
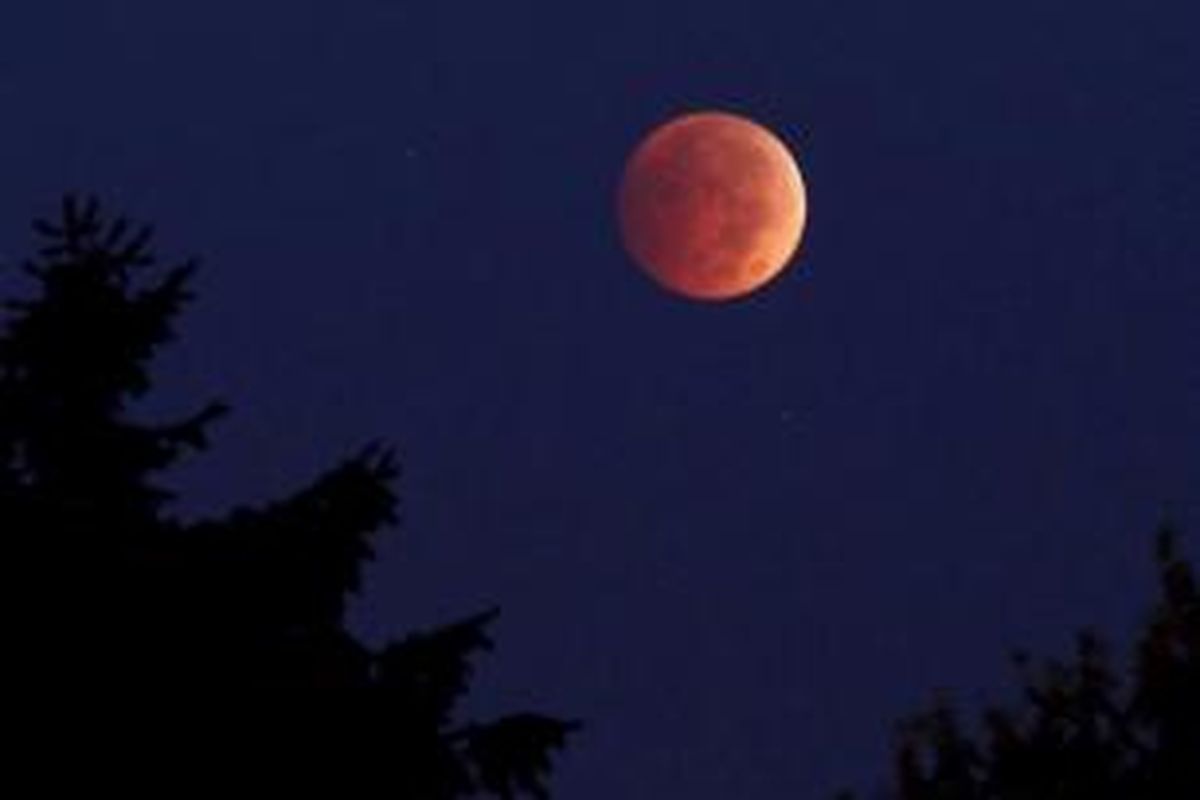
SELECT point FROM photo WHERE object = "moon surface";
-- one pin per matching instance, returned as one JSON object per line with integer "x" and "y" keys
{"x": 711, "y": 205}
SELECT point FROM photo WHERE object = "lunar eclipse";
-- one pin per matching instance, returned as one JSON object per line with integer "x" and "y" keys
{"x": 711, "y": 205}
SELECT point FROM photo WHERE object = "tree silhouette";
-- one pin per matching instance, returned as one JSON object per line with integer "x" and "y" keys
{"x": 124, "y": 595}
{"x": 1082, "y": 730}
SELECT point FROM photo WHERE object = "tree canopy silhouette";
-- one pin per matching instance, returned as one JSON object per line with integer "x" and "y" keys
{"x": 128, "y": 596}
{"x": 1083, "y": 729}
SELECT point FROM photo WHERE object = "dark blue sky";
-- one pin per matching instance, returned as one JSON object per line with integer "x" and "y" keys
{"x": 740, "y": 539}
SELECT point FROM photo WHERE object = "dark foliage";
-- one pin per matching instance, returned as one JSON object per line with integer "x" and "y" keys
{"x": 1084, "y": 729}
{"x": 126, "y": 598}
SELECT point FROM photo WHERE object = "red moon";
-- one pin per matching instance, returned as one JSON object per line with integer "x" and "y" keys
{"x": 711, "y": 205}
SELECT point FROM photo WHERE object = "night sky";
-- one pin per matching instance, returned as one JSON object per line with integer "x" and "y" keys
{"x": 737, "y": 539}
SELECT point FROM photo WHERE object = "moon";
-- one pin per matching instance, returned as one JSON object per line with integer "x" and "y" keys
{"x": 711, "y": 205}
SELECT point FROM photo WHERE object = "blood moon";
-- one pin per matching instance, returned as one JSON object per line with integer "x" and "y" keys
{"x": 711, "y": 205}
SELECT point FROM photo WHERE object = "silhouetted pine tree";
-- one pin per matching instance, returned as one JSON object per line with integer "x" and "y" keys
{"x": 122, "y": 595}
{"x": 1084, "y": 729}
